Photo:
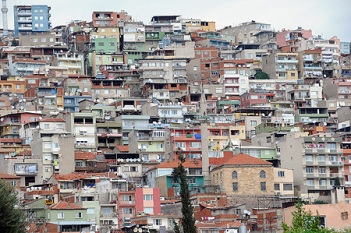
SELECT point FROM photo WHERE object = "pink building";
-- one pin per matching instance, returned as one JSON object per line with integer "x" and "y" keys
{"x": 288, "y": 35}
{"x": 331, "y": 215}
{"x": 256, "y": 99}
{"x": 109, "y": 18}
{"x": 140, "y": 200}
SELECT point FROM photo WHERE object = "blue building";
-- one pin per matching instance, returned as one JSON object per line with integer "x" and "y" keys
{"x": 31, "y": 19}
{"x": 71, "y": 103}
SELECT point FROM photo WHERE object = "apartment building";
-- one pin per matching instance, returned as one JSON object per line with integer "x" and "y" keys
{"x": 316, "y": 161}
{"x": 281, "y": 65}
{"x": 140, "y": 200}
{"x": 34, "y": 18}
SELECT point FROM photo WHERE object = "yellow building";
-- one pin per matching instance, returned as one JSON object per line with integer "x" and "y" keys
{"x": 283, "y": 181}
{"x": 208, "y": 26}
{"x": 18, "y": 87}
{"x": 244, "y": 175}
{"x": 106, "y": 32}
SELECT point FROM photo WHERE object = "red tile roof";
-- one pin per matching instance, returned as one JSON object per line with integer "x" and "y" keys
{"x": 66, "y": 206}
{"x": 53, "y": 120}
{"x": 13, "y": 140}
{"x": 8, "y": 176}
{"x": 221, "y": 225}
{"x": 81, "y": 175}
{"x": 244, "y": 159}
{"x": 84, "y": 155}
{"x": 123, "y": 148}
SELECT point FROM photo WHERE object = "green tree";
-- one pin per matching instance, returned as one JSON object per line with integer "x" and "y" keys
{"x": 304, "y": 222}
{"x": 12, "y": 219}
{"x": 261, "y": 75}
{"x": 188, "y": 220}
{"x": 176, "y": 227}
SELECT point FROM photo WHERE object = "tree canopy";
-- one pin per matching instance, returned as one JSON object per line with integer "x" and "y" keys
{"x": 12, "y": 218}
{"x": 261, "y": 75}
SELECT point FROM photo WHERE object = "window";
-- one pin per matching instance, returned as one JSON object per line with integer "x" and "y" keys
{"x": 263, "y": 186}
{"x": 235, "y": 186}
{"x": 79, "y": 164}
{"x": 127, "y": 198}
{"x": 309, "y": 158}
{"x": 309, "y": 170}
{"x": 262, "y": 174}
{"x": 60, "y": 215}
{"x": 79, "y": 215}
{"x": 195, "y": 68}
{"x": 322, "y": 182}
{"x": 281, "y": 173}
{"x": 287, "y": 187}
{"x": 310, "y": 182}
{"x": 127, "y": 211}
{"x": 322, "y": 170}
{"x": 148, "y": 210}
{"x": 46, "y": 126}
{"x": 234, "y": 175}
{"x": 157, "y": 222}
{"x": 195, "y": 145}
{"x": 253, "y": 123}
{"x": 321, "y": 158}
{"x": 148, "y": 197}
{"x": 91, "y": 211}
{"x": 276, "y": 187}
{"x": 14, "y": 183}
{"x": 43, "y": 40}
{"x": 207, "y": 65}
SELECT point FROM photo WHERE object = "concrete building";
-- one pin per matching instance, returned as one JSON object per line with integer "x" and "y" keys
{"x": 52, "y": 144}
{"x": 283, "y": 182}
{"x": 316, "y": 161}
{"x": 310, "y": 64}
{"x": 248, "y": 32}
{"x": 345, "y": 48}
{"x": 35, "y": 18}
{"x": 281, "y": 65}
{"x": 83, "y": 127}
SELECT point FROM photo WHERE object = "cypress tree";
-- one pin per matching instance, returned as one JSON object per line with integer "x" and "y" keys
{"x": 188, "y": 220}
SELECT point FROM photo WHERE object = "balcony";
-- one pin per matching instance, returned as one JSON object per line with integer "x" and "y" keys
{"x": 24, "y": 13}
{"x": 126, "y": 203}
{"x": 286, "y": 61}
{"x": 334, "y": 163}
{"x": 85, "y": 145}
{"x": 110, "y": 215}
